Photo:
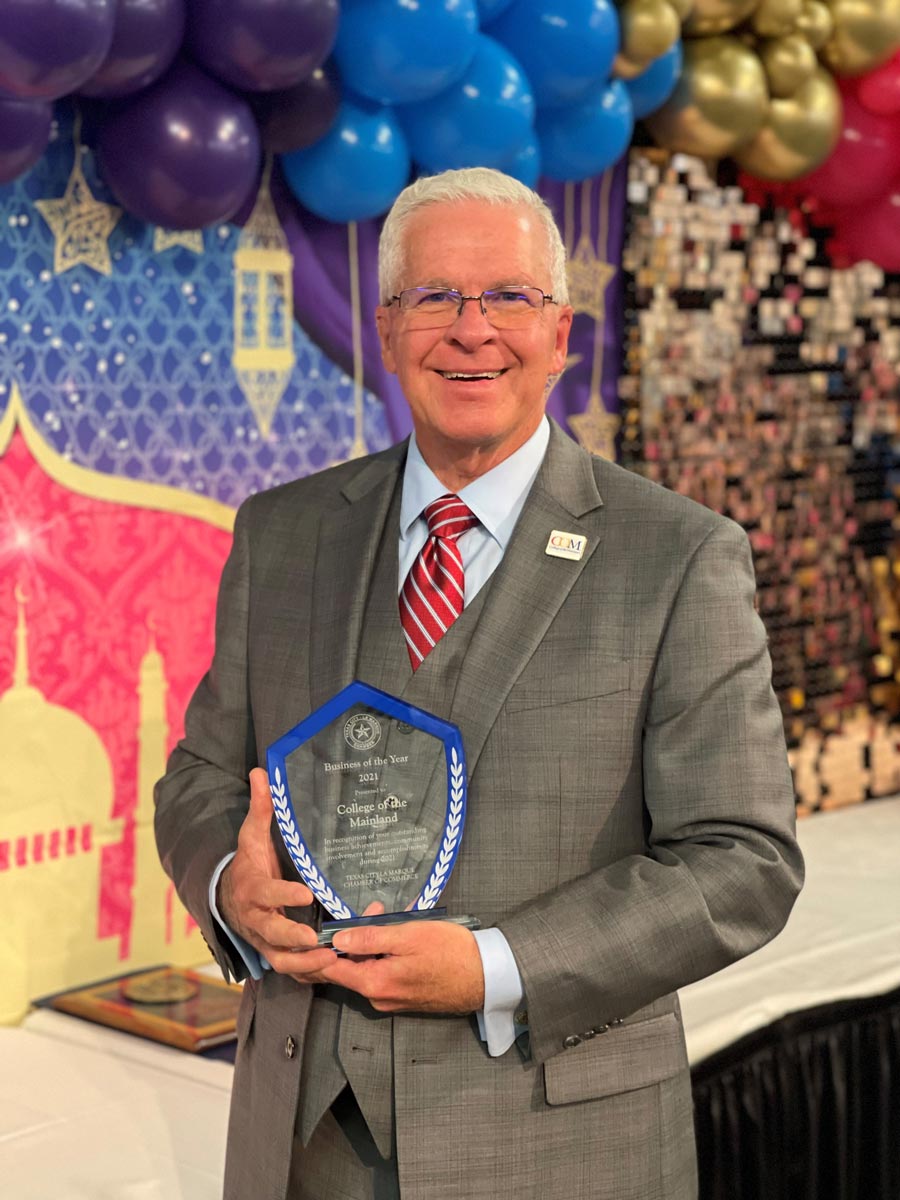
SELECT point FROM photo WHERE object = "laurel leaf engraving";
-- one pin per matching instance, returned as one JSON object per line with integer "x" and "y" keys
{"x": 299, "y": 853}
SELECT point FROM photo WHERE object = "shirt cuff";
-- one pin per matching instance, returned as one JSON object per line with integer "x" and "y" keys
{"x": 253, "y": 961}
{"x": 503, "y": 992}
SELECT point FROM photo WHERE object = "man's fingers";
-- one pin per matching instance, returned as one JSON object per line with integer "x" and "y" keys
{"x": 367, "y": 940}
{"x": 306, "y": 966}
{"x": 430, "y": 966}
{"x": 283, "y": 933}
{"x": 260, "y": 797}
{"x": 385, "y": 982}
{"x": 282, "y": 893}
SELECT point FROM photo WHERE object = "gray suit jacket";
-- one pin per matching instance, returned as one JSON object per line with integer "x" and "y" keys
{"x": 630, "y": 820}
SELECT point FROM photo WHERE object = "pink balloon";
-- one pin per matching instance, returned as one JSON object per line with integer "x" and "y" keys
{"x": 879, "y": 91}
{"x": 865, "y": 162}
{"x": 873, "y": 233}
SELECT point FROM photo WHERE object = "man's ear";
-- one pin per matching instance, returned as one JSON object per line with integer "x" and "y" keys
{"x": 561, "y": 349}
{"x": 383, "y": 324}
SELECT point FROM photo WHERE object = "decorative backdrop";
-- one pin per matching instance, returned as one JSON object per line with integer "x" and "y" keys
{"x": 145, "y": 389}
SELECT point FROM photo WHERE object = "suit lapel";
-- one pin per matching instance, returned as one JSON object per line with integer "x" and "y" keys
{"x": 348, "y": 541}
{"x": 528, "y": 588}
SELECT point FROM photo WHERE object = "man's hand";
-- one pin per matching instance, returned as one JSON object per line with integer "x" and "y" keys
{"x": 427, "y": 966}
{"x": 252, "y": 896}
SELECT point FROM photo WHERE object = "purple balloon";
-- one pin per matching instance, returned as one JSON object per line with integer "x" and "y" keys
{"x": 262, "y": 46}
{"x": 183, "y": 154}
{"x": 146, "y": 37}
{"x": 24, "y": 133}
{"x": 295, "y": 119}
{"x": 50, "y": 47}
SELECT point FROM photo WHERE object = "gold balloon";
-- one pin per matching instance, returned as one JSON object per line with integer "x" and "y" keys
{"x": 788, "y": 62}
{"x": 720, "y": 101}
{"x": 683, "y": 8}
{"x": 774, "y": 18}
{"x": 815, "y": 23}
{"x": 799, "y": 132}
{"x": 717, "y": 16}
{"x": 624, "y": 68}
{"x": 649, "y": 29}
{"x": 866, "y": 34}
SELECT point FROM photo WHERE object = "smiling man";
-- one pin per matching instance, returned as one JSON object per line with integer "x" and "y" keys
{"x": 630, "y": 809}
{"x": 474, "y": 365}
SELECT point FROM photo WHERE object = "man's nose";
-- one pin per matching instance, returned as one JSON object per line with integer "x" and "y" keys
{"x": 471, "y": 326}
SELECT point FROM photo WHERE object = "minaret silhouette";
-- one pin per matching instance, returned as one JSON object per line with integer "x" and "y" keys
{"x": 161, "y": 931}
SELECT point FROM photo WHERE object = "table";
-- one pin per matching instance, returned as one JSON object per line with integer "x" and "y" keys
{"x": 842, "y": 939}
{"x": 89, "y": 1113}
{"x": 796, "y": 1050}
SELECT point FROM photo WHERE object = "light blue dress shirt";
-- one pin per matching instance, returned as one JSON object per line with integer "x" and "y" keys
{"x": 496, "y": 498}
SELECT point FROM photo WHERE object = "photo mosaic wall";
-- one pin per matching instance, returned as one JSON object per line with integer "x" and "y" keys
{"x": 764, "y": 383}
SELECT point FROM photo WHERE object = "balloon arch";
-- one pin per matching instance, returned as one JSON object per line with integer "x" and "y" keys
{"x": 183, "y": 98}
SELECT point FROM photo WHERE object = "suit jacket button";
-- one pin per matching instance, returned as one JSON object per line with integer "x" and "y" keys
{"x": 290, "y": 1047}
{"x": 599, "y": 1029}
{"x": 572, "y": 1040}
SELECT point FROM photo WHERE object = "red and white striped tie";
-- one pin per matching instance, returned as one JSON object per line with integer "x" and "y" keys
{"x": 434, "y": 592}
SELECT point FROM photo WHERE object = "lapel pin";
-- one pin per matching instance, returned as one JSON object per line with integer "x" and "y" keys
{"x": 565, "y": 545}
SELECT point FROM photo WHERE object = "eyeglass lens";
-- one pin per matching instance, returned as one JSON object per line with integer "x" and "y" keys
{"x": 502, "y": 307}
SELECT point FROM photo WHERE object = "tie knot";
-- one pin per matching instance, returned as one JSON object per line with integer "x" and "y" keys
{"x": 448, "y": 517}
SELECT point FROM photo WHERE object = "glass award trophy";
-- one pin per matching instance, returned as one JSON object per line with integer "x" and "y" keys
{"x": 369, "y": 794}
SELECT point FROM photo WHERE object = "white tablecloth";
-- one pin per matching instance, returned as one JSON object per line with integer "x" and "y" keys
{"x": 842, "y": 939}
{"x": 88, "y": 1113}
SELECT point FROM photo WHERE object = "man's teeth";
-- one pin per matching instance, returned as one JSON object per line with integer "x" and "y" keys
{"x": 466, "y": 375}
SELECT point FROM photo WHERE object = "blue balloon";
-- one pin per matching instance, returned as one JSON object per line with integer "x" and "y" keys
{"x": 357, "y": 170}
{"x": 584, "y": 140}
{"x": 491, "y": 8}
{"x": 652, "y": 88}
{"x": 397, "y": 52}
{"x": 566, "y": 47}
{"x": 525, "y": 164}
{"x": 479, "y": 121}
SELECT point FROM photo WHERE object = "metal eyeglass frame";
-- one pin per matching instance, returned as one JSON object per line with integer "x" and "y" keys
{"x": 512, "y": 287}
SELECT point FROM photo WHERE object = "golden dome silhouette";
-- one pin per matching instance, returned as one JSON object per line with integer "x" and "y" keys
{"x": 56, "y": 797}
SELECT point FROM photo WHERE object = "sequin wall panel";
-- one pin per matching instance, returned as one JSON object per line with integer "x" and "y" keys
{"x": 764, "y": 383}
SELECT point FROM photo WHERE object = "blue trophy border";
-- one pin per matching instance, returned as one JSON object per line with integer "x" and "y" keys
{"x": 358, "y": 692}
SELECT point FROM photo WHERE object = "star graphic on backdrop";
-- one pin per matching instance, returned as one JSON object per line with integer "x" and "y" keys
{"x": 80, "y": 224}
{"x": 596, "y": 429}
{"x": 588, "y": 277}
{"x": 165, "y": 239}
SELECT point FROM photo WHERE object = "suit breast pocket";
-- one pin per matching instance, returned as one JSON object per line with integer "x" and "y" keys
{"x": 547, "y": 684}
{"x": 623, "y": 1059}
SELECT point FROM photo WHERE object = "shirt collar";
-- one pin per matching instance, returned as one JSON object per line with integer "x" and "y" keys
{"x": 496, "y": 498}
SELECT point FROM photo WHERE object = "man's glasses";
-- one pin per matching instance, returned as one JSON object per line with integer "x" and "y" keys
{"x": 505, "y": 308}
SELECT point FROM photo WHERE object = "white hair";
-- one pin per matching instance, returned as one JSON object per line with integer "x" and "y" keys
{"x": 471, "y": 183}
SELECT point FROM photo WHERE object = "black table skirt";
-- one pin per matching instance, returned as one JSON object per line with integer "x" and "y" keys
{"x": 805, "y": 1109}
